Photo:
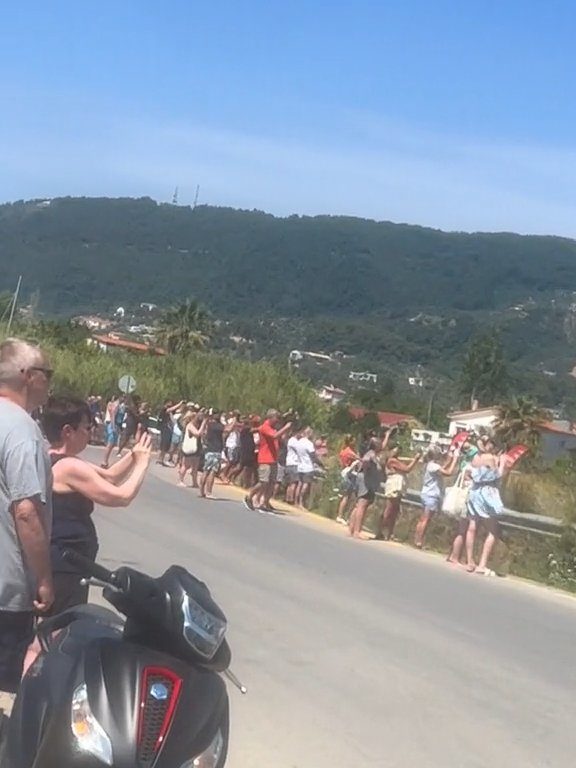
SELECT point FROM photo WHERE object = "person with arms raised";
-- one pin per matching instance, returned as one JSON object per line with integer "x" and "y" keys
{"x": 270, "y": 433}
{"x": 78, "y": 486}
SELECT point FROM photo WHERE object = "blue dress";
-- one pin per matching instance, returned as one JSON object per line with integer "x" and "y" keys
{"x": 484, "y": 498}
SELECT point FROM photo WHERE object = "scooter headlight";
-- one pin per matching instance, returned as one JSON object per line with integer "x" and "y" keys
{"x": 203, "y": 631}
{"x": 209, "y": 758}
{"x": 88, "y": 733}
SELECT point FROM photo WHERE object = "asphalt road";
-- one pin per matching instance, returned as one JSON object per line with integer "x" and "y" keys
{"x": 363, "y": 653}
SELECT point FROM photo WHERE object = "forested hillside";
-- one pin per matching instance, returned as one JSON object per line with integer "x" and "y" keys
{"x": 383, "y": 290}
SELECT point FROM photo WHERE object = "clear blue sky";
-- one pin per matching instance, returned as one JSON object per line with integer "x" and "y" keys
{"x": 459, "y": 115}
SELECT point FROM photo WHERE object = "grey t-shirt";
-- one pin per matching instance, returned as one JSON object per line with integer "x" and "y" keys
{"x": 25, "y": 473}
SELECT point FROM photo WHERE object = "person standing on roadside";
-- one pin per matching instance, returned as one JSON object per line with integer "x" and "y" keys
{"x": 433, "y": 488}
{"x": 348, "y": 459}
{"x": 130, "y": 423}
{"x": 110, "y": 429}
{"x": 165, "y": 425}
{"x": 292, "y": 466}
{"x": 213, "y": 438}
{"x": 396, "y": 472}
{"x": 369, "y": 480}
{"x": 307, "y": 461}
{"x": 268, "y": 447}
{"x": 25, "y": 507}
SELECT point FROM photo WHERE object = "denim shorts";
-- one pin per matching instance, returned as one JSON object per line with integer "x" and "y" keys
{"x": 111, "y": 434}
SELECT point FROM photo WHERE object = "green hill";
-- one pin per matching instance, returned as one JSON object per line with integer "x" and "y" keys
{"x": 387, "y": 291}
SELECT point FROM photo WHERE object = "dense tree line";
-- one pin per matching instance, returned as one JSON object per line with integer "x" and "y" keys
{"x": 387, "y": 292}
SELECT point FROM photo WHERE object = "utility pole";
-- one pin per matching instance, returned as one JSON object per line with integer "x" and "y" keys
{"x": 196, "y": 196}
{"x": 175, "y": 197}
{"x": 13, "y": 308}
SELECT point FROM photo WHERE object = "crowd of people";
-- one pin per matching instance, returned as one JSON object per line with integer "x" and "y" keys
{"x": 271, "y": 457}
{"x": 48, "y": 492}
{"x": 377, "y": 468}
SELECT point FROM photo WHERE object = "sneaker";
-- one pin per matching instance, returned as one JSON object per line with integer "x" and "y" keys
{"x": 341, "y": 520}
{"x": 210, "y": 496}
{"x": 248, "y": 503}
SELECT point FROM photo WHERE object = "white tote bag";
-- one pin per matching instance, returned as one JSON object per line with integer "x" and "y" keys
{"x": 189, "y": 444}
{"x": 455, "y": 498}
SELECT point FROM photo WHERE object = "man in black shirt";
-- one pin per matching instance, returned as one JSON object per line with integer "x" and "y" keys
{"x": 213, "y": 449}
{"x": 165, "y": 424}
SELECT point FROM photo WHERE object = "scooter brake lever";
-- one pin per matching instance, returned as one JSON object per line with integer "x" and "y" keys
{"x": 92, "y": 582}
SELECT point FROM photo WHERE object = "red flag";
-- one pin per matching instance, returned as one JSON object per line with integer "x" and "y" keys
{"x": 514, "y": 454}
{"x": 459, "y": 440}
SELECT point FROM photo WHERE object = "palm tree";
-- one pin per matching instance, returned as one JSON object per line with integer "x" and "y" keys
{"x": 518, "y": 421}
{"x": 184, "y": 328}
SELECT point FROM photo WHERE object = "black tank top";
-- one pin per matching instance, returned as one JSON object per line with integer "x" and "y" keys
{"x": 72, "y": 527}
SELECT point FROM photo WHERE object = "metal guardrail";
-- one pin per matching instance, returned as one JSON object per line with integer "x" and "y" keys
{"x": 510, "y": 518}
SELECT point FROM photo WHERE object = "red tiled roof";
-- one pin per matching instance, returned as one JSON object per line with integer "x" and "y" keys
{"x": 548, "y": 426}
{"x": 386, "y": 418}
{"x": 134, "y": 346}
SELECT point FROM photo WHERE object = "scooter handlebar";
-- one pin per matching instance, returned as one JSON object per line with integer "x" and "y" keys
{"x": 89, "y": 568}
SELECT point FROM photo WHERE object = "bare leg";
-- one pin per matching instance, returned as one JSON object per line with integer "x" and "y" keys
{"x": 194, "y": 464}
{"x": 357, "y": 517}
{"x": 343, "y": 503}
{"x": 255, "y": 493}
{"x": 203, "y": 484}
{"x": 183, "y": 469}
{"x": 493, "y": 534}
{"x": 387, "y": 520}
{"x": 470, "y": 539}
{"x": 421, "y": 527}
{"x": 304, "y": 493}
{"x": 107, "y": 454}
{"x": 458, "y": 543}
{"x": 209, "y": 484}
{"x": 291, "y": 493}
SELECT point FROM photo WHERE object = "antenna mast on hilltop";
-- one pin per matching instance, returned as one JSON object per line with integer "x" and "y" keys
{"x": 175, "y": 197}
{"x": 196, "y": 196}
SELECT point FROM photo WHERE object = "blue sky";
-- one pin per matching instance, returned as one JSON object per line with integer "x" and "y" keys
{"x": 458, "y": 115}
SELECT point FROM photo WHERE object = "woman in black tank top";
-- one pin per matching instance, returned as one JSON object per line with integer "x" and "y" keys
{"x": 77, "y": 486}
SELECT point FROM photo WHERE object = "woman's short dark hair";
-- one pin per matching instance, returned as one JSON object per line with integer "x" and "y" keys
{"x": 60, "y": 411}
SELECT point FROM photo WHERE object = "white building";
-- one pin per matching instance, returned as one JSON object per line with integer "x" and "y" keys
{"x": 473, "y": 421}
{"x": 331, "y": 394}
{"x": 557, "y": 437}
{"x": 422, "y": 439}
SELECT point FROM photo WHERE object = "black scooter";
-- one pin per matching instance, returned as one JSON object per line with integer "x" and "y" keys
{"x": 139, "y": 693}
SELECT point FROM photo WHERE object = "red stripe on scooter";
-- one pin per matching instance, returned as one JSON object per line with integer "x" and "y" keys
{"x": 175, "y": 693}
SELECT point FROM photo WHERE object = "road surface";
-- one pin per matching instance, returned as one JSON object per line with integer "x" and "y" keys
{"x": 363, "y": 653}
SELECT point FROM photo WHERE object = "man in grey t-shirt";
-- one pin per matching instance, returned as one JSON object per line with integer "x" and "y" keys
{"x": 25, "y": 504}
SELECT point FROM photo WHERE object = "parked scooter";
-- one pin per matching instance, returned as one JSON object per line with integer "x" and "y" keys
{"x": 143, "y": 692}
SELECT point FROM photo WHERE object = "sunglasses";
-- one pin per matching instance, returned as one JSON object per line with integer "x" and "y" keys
{"x": 48, "y": 372}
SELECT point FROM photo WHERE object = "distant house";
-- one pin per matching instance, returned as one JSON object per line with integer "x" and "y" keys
{"x": 473, "y": 421}
{"x": 106, "y": 343}
{"x": 422, "y": 439}
{"x": 331, "y": 394}
{"x": 93, "y": 322}
{"x": 557, "y": 437}
{"x": 557, "y": 440}
{"x": 386, "y": 418}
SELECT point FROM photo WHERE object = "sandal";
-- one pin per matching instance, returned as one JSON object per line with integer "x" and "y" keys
{"x": 486, "y": 572}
